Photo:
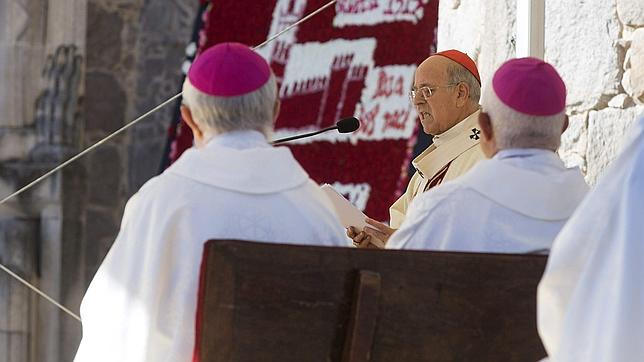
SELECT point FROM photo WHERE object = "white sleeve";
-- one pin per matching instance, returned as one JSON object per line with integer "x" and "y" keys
{"x": 421, "y": 220}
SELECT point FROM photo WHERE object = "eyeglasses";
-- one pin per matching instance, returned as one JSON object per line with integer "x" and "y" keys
{"x": 426, "y": 91}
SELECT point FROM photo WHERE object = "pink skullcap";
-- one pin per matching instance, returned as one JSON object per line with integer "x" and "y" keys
{"x": 229, "y": 70}
{"x": 530, "y": 86}
{"x": 462, "y": 59}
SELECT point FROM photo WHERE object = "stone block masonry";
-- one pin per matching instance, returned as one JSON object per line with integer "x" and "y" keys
{"x": 596, "y": 45}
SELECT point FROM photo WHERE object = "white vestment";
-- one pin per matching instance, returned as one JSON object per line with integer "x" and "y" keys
{"x": 450, "y": 155}
{"x": 591, "y": 298}
{"x": 141, "y": 304}
{"x": 515, "y": 202}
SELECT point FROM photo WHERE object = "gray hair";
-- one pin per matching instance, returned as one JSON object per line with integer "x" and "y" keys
{"x": 457, "y": 73}
{"x": 517, "y": 130}
{"x": 252, "y": 111}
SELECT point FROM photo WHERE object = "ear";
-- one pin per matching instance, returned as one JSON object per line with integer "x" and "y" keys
{"x": 488, "y": 142}
{"x": 276, "y": 109}
{"x": 197, "y": 132}
{"x": 463, "y": 94}
{"x": 565, "y": 124}
{"x": 486, "y": 126}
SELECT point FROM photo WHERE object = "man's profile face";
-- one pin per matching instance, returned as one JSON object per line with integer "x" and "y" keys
{"x": 437, "y": 113}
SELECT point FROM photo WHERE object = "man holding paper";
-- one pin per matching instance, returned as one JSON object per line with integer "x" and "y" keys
{"x": 519, "y": 199}
{"x": 446, "y": 92}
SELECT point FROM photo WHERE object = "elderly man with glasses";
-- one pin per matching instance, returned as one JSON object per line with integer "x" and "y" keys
{"x": 518, "y": 200}
{"x": 446, "y": 92}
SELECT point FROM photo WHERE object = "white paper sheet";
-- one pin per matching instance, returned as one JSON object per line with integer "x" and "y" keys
{"x": 348, "y": 214}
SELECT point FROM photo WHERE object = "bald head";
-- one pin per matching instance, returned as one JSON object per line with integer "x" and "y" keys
{"x": 454, "y": 94}
{"x": 434, "y": 68}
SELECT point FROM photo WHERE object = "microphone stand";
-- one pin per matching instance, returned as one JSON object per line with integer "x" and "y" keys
{"x": 303, "y": 135}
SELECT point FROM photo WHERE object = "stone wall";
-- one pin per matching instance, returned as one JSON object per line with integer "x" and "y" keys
{"x": 21, "y": 52}
{"x": 166, "y": 27}
{"x": 17, "y": 251}
{"x": 134, "y": 53}
{"x": 72, "y": 72}
{"x": 596, "y": 45}
{"x": 38, "y": 128}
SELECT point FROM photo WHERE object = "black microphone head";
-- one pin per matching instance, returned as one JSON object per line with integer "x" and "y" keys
{"x": 348, "y": 125}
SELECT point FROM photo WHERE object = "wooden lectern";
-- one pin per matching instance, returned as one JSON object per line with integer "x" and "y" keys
{"x": 268, "y": 302}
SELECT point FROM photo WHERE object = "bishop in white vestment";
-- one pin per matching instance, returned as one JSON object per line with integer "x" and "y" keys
{"x": 517, "y": 201}
{"x": 141, "y": 304}
{"x": 590, "y": 300}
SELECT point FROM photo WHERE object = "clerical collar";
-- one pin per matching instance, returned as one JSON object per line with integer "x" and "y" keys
{"x": 239, "y": 140}
{"x": 454, "y": 142}
{"x": 470, "y": 121}
{"x": 521, "y": 153}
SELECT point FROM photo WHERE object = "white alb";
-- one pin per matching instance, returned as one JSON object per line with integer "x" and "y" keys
{"x": 141, "y": 304}
{"x": 516, "y": 202}
{"x": 591, "y": 298}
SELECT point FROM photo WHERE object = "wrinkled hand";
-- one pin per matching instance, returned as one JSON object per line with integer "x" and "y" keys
{"x": 360, "y": 238}
{"x": 370, "y": 236}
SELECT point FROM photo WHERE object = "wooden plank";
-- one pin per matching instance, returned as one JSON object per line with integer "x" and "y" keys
{"x": 215, "y": 326}
{"x": 362, "y": 325}
{"x": 286, "y": 303}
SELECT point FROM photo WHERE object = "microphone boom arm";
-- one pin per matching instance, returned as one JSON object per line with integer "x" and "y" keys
{"x": 286, "y": 139}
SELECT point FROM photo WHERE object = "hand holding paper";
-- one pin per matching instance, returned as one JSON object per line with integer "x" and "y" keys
{"x": 362, "y": 229}
{"x": 348, "y": 214}
{"x": 378, "y": 231}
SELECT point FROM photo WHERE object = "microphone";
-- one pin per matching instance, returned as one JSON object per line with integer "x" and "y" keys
{"x": 345, "y": 125}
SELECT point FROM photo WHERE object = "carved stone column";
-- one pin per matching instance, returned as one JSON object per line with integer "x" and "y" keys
{"x": 44, "y": 226}
{"x": 41, "y": 230}
{"x": 130, "y": 52}
{"x": 59, "y": 202}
